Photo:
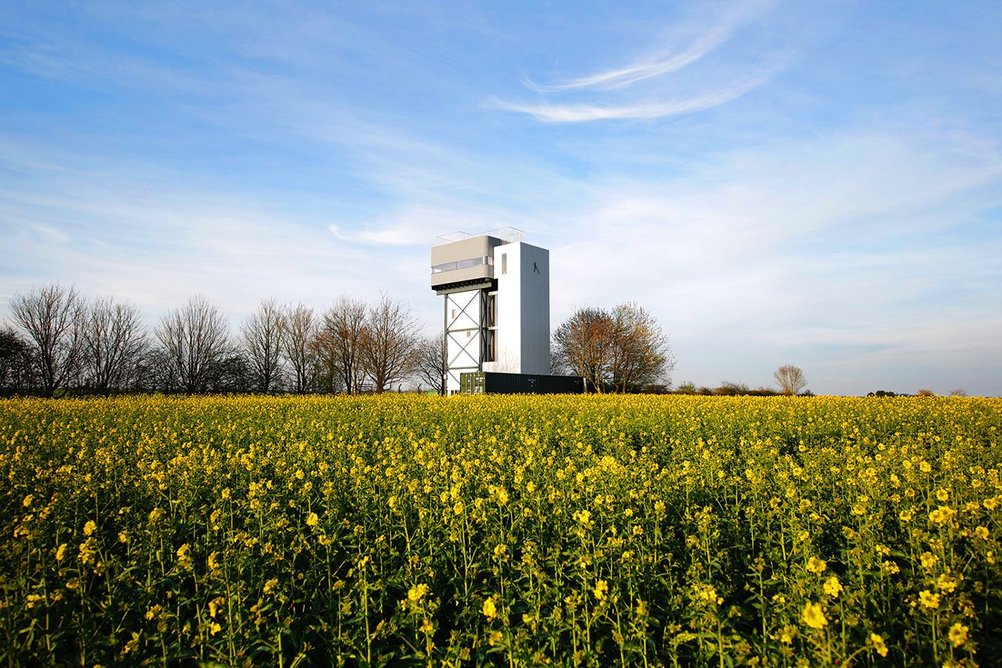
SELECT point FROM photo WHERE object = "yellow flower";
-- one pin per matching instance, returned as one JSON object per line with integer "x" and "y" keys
{"x": 947, "y": 583}
{"x": 943, "y": 495}
{"x": 184, "y": 556}
{"x": 601, "y": 590}
{"x": 214, "y": 606}
{"x": 270, "y": 585}
{"x": 490, "y": 610}
{"x": 415, "y": 593}
{"x": 928, "y": 560}
{"x": 981, "y": 532}
{"x": 61, "y": 552}
{"x": 942, "y": 515}
{"x": 815, "y": 565}
{"x": 833, "y": 587}
{"x": 890, "y": 568}
{"x": 928, "y": 600}
{"x": 813, "y": 616}
{"x": 89, "y": 528}
{"x": 878, "y": 644}
{"x": 312, "y": 520}
{"x": 958, "y": 634}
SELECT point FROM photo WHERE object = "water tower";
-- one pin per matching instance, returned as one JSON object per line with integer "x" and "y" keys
{"x": 497, "y": 303}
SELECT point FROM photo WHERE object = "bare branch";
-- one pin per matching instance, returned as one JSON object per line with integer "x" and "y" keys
{"x": 52, "y": 318}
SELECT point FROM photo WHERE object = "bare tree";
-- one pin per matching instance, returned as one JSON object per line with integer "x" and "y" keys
{"x": 791, "y": 379}
{"x": 640, "y": 353}
{"x": 262, "y": 334}
{"x": 389, "y": 349}
{"x": 297, "y": 344}
{"x": 344, "y": 338}
{"x": 15, "y": 362}
{"x": 194, "y": 339}
{"x": 582, "y": 345}
{"x": 624, "y": 349}
{"x": 51, "y": 315}
{"x": 431, "y": 360}
{"x": 113, "y": 344}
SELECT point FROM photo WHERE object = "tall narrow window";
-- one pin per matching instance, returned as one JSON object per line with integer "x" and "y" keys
{"x": 504, "y": 263}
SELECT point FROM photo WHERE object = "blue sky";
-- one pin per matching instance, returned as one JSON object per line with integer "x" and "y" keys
{"x": 815, "y": 183}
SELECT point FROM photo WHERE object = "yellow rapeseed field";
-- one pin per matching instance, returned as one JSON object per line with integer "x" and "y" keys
{"x": 589, "y": 530}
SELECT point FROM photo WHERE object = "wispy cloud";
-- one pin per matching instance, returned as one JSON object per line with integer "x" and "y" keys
{"x": 577, "y": 113}
{"x": 653, "y": 71}
{"x": 645, "y": 69}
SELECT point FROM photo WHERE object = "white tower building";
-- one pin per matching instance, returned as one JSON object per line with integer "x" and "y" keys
{"x": 497, "y": 304}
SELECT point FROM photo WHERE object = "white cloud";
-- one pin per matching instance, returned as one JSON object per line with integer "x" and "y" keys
{"x": 839, "y": 250}
{"x": 577, "y": 113}
{"x": 661, "y": 97}
{"x": 664, "y": 62}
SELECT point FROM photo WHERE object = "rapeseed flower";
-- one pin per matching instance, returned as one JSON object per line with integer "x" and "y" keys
{"x": 813, "y": 616}
{"x": 958, "y": 634}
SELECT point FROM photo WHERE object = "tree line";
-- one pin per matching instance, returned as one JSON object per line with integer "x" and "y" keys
{"x": 68, "y": 343}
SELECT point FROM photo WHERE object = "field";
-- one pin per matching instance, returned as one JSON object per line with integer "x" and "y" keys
{"x": 510, "y": 531}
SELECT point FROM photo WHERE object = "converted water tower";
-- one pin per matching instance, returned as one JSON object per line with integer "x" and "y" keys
{"x": 497, "y": 304}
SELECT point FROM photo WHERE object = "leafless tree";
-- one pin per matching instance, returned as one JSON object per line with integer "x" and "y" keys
{"x": 15, "y": 362}
{"x": 113, "y": 344}
{"x": 343, "y": 337}
{"x": 262, "y": 337}
{"x": 431, "y": 359}
{"x": 52, "y": 317}
{"x": 623, "y": 349}
{"x": 389, "y": 344}
{"x": 194, "y": 339}
{"x": 791, "y": 379}
{"x": 640, "y": 353}
{"x": 582, "y": 345}
{"x": 297, "y": 344}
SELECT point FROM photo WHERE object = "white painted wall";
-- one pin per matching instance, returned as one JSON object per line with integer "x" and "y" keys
{"x": 523, "y": 309}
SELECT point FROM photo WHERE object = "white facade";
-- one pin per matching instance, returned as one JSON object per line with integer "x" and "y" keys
{"x": 522, "y": 330}
{"x": 497, "y": 306}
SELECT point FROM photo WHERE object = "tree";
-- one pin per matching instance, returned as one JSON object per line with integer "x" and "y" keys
{"x": 623, "y": 349}
{"x": 791, "y": 379}
{"x": 582, "y": 344}
{"x": 51, "y": 316}
{"x": 300, "y": 330}
{"x": 431, "y": 359}
{"x": 113, "y": 344}
{"x": 232, "y": 373}
{"x": 389, "y": 344}
{"x": 640, "y": 353}
{"x": 15, "y": 362}
{"x": 262, "y": 336}
{"x": 343, "y": 339}
{"x": 194, "y": 339}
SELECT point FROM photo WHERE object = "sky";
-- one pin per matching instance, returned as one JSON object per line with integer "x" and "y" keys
{"x": 807, "y": 183}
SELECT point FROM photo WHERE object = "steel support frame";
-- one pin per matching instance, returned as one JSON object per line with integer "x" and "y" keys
{"x": 471, "y": 304}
